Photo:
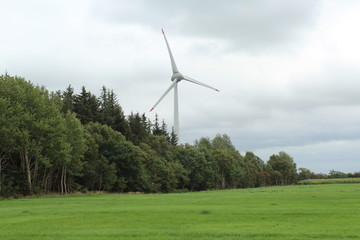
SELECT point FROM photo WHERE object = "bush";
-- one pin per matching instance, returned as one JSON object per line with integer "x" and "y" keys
{"x": 329, "y": 181}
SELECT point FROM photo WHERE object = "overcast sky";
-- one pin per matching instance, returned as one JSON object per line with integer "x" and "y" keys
{"x": 288, "y": 71}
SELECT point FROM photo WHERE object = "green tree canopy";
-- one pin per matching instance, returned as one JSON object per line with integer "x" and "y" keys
{"x": 284, "y": 165}
{"x": 38, "y": 130}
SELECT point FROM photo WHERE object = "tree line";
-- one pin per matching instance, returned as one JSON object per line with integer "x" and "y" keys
{"x": 64, "y": 142}
{"x": 304, "y": 173}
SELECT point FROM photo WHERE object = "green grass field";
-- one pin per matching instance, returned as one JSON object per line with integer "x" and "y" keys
{"x": 330, "y": 211}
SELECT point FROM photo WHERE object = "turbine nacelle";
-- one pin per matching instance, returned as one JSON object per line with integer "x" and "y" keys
{"x": 177, "y": 76}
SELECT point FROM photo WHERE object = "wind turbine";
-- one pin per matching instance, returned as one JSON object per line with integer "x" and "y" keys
{"x": 176, "y": 78}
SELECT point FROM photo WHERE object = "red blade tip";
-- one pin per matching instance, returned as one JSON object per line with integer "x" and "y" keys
{"x": 217, "y": 90}
{"x": 151, "y": 109}
{"x": 163, "y": 31}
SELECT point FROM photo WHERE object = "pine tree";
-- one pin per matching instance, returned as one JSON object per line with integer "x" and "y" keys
{"x": 111, "y": 112}
{"x": 68, "y": 99}
{"x": 156, "y": 130}
{"x": 86, "y": 107}
{"x": 160, "y": 130}
{"x": 173, "y": 138}
{"x": 139, "y": 129}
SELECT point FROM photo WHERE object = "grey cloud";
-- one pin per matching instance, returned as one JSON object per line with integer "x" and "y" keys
{"x": 321, "y": 107}
{"x": 248, "y": 25}
{"x": 339, "y": 85}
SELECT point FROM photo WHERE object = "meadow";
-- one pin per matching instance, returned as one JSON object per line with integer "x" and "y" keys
{"x": 329, "y": 211}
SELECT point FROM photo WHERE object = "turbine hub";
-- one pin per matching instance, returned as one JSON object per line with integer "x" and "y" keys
{"x": 177, "y": 76}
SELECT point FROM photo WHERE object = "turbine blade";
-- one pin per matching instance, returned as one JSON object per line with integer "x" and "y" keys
{"x": 199, "y": 83}
{"x": 173, "y": 64}
{"x": 166, "y": 92}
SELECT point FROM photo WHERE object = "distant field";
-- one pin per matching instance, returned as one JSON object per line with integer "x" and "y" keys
{"x": 330, "y": 211}
{"x": 329, "y": 181}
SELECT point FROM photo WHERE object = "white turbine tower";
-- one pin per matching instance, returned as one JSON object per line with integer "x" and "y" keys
{"x": 177, "y": 77}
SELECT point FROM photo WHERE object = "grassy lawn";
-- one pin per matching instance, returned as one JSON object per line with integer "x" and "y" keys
{"x": 294, "y": 212}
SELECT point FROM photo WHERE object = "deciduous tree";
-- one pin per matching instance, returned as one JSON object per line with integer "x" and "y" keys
{"x": 284, "y": 165}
